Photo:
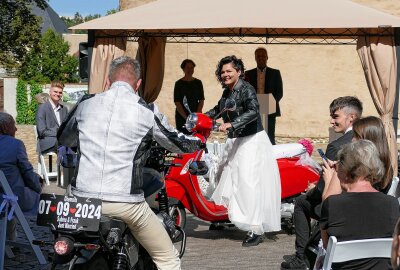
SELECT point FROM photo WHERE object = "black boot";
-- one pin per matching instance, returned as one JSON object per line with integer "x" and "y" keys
{"x": 252, "y": 239}
{"x": 294, "y": 263}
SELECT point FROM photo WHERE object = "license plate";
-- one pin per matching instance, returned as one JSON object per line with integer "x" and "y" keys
{"x": 69, "y": 213}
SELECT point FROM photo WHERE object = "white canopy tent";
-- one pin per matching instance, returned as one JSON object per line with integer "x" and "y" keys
{"x": 241, "y": 17}
{"x": 376, "y": 33}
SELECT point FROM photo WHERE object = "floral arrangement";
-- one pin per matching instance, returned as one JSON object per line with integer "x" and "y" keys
{"x": 307, "y": 145}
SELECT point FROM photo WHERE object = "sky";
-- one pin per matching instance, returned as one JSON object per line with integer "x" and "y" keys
{"x": 84, "y": 7}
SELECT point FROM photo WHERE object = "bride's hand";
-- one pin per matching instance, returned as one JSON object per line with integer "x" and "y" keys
{"x": 224, "y": 127}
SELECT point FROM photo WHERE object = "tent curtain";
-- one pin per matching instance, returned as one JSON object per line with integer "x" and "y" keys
{"x": 151, "y": 55}
{"x": 378, "y": 59}
{"x": 104, "y": 51}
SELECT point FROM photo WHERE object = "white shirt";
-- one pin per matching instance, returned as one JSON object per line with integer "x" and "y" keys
{"x": 56, "y": 109}
{"x": 261, "y": 81}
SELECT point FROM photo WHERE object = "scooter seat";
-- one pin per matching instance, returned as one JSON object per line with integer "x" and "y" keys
{"x": 288, "y": 150}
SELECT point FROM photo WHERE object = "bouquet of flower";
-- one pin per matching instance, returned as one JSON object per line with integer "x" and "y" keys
{"x": 307, "y": 145}
{"x": 305, "y": 158}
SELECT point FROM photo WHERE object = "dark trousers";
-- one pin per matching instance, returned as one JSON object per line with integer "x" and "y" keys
{"x": 271, "y": 128}
{"x": 51, "y": 149}
{"x": 304, "y": 210}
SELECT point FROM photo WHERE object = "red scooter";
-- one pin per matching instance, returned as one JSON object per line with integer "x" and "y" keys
{"x": 184, "y": 191}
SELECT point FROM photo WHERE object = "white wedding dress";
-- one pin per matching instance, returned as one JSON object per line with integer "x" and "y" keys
{"x": 249, "y": 184}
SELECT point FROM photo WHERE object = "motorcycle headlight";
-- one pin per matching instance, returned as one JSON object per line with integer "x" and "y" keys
{"x": 191, "y": 121}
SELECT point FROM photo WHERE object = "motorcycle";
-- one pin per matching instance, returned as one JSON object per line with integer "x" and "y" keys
{"x": 86, "y": 239}
{"x": 184, "y": 184}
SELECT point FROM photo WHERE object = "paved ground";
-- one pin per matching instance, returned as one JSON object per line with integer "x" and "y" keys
{"x": 205, "y": 249}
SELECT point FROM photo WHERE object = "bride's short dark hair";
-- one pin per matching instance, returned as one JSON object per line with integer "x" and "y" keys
{"x": 237, "y": 64}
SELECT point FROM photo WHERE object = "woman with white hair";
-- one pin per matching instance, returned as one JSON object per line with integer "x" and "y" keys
{"x": 360, "y": 211}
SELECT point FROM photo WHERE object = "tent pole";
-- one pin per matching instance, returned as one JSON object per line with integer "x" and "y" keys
{"x": 396, "y": 101}
{"x": 91, "y": 38}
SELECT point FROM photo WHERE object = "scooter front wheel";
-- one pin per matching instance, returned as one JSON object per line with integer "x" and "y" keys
{"x": 178, "y": 214}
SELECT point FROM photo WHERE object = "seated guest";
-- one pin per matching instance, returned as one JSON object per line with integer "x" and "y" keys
{"x": 49, "y": 117}
{"x": 343, "y": 111}
{"x": 14, "y": 163}
{"x": 367, "y": 128}
{"x": 360, "y": 211}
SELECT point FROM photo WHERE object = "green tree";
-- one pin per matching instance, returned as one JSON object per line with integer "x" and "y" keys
{"x": 78, "y": 19}
{"x": 35, "y": 89}
{"x": 68, "y": 21}
{"x": 92, "y": 17}
{"x": 19, "y": 31}
{"x": 50, "y": 61}
{"x": 22, "y": 102}
{"x": 112, "y": 11}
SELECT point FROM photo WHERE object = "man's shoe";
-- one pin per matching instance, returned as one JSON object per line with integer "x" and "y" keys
{"x": 252, "y": 239}
{"x": 296, "y": 263}
{"x": 289, "y": 257}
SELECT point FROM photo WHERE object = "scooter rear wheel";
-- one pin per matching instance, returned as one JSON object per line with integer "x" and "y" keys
{"x": 178, "y": 214}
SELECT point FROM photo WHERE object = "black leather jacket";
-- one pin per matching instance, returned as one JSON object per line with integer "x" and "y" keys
{"x": 246, "y": 118}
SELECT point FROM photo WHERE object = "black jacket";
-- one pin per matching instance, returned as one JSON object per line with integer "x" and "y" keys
{"x": 246, "y": 118}
{"x": 331, "y": 153}
{"x": 273, "y": 85}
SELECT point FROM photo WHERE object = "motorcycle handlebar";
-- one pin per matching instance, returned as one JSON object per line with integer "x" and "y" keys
{"x": 172, "y": 164}
{"x": 216, "y": 126}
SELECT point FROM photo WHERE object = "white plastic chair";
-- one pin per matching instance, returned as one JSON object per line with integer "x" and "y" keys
{"x": 356, "y": 249}
{"x": 42, "y": 168}
{"x": 393, "y": 187}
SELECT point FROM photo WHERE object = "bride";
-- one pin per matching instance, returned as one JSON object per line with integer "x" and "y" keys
{"x": 249, "y": 183}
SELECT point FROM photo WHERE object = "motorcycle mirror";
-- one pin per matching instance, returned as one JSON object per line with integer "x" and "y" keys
{"x": 230, "y": 104}
{"x": 186, "y": 104}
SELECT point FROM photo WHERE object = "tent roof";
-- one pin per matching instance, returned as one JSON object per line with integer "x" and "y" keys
{"x": 254, "y": 16}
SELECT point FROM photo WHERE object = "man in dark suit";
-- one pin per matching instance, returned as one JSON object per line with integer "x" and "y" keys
{"x": 49, "y": 117}
{"x": 343, "y": 111}
{"x": 266, "y": 80}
